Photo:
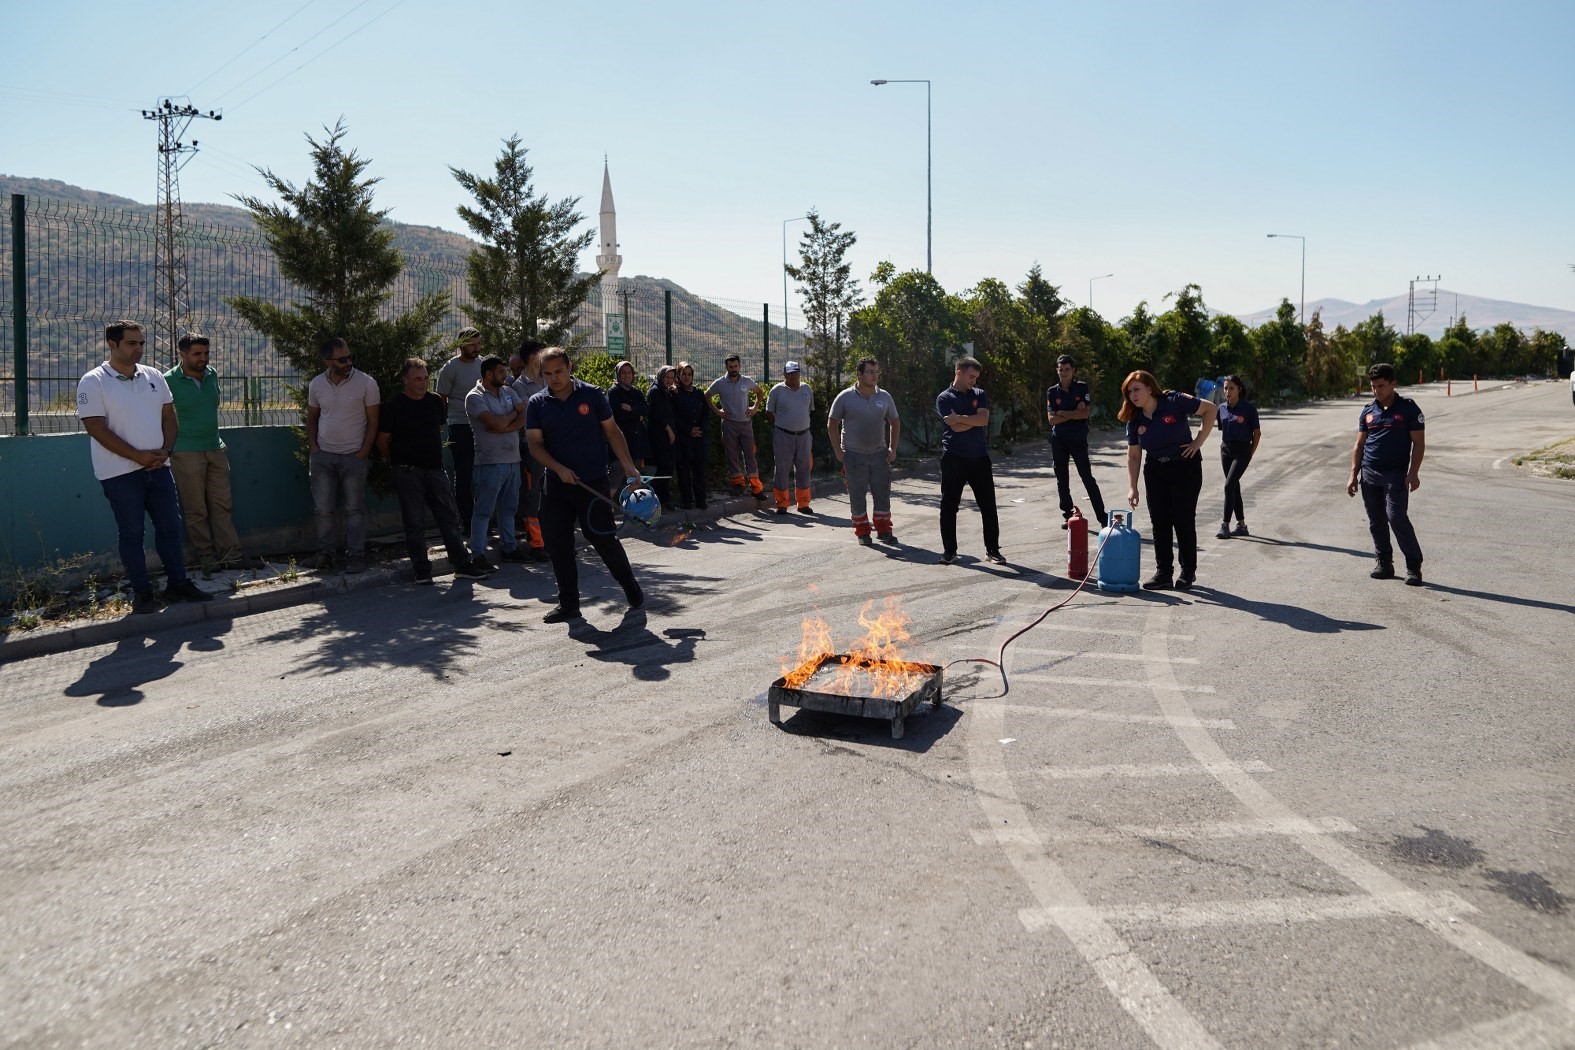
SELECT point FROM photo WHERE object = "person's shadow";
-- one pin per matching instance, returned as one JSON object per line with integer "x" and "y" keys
{"x": 1292, "y": 616}
{"x": 648, "y": 655}
{"x": 117, "y": 677}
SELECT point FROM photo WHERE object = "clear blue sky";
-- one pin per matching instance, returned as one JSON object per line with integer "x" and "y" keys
{"x": 1156, "y": 141}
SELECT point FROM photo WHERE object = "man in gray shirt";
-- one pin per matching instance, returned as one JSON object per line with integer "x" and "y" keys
{"x": 496, "y": 416}
{"x": 455, "y": 380}
{"x": 527, "y": 381}
{"x": 788, "y": 407}
{"x": 864, "y": 429}
{"x": 739, "y": 398}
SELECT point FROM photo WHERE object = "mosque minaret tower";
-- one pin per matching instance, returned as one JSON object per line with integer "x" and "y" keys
{"x": 608, "y": 260}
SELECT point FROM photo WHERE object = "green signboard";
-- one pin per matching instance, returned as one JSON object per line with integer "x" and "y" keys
{"x": 617, "y": 345}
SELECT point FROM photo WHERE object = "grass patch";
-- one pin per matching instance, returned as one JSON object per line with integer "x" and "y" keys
{"x": 1551, "y": 461}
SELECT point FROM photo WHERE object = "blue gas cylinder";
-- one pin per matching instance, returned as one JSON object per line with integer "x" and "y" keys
{"x": 1120, "y": 554}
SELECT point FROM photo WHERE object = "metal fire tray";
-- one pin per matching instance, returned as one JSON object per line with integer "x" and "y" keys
{"x": 895, "y": 708}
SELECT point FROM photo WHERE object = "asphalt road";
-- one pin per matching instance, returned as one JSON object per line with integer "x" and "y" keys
{"x": 1293, "y": 808}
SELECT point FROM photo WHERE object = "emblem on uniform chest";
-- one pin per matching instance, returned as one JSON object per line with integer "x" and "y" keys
{"x": 585, "y": 410}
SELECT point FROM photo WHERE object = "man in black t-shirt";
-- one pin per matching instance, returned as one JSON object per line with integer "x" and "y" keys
{"x": 410, "y": 437}
{"x": 569, "y": 426}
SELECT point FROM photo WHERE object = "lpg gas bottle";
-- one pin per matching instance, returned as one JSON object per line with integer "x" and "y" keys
{"x": 1120, "y": 554}
{"x": 1076, "y": 545}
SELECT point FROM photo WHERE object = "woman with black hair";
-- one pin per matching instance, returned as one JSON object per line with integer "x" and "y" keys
{"x": 1173, "y": 476}
{"x": 691, "y": 416}
{"x": 1239, "y": 436}
{"x": 659, "y": 429}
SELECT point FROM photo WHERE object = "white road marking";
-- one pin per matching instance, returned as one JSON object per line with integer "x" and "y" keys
{"x": 1092, "y": 715}
{"x": 1128, "y": 834}
{"x": 1544, "y": 1028}
{"x": 1132, "y": 657}
{"x": 1114, "y": 632}
{"x": 1158, "y": 769}
{"x": 1271, "y": 911}
{"x": 1132, "y": 983}
{"x": 1498, "y": 464}
{"x": 1108, "y": 683}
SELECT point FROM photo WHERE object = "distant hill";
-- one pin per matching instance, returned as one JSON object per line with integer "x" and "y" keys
{"x": 92, "y": 254}
{"x": 1479, "y": 313}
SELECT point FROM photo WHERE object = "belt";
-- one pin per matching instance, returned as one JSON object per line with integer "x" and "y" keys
{"x": 795, "y": 433}
{"x": 1165, "y": 459}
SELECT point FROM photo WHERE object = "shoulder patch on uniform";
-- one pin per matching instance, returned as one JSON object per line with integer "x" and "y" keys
{"x": 82, "y": 399}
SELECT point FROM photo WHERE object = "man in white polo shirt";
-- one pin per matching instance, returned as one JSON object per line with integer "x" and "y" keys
{"x": 342, "y": 403}
{"x": 127, "y": 410}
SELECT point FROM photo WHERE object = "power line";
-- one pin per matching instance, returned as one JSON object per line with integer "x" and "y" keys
{"x": 248, "y": 47}
{"x": 67, "y": 98}
{"x": 320, "y": 54}
{"x": 292, "y": 51}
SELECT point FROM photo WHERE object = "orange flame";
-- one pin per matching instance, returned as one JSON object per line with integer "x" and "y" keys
{"x": 876, "y": 666}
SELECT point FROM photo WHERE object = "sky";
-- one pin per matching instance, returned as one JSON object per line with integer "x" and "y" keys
{"x": 1158, "y": 142}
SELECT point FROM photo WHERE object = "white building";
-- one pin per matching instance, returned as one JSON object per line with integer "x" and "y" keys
{"x": 614, "y": 324}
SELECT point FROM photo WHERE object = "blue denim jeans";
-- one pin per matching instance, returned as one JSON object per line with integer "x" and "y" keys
{"x": 147, "y": 494}
{"x": 339, "y": 484}
{"x": 497, "y": 487}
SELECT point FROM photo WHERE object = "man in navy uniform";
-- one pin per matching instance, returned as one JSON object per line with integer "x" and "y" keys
{"x": 569, "y": 426}
{"x": 965, "y": 459}
{"x": 1067, "y": 407}
{"x": 1385, "y": 464}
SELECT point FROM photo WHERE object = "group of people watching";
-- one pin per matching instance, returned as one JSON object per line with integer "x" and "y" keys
{"x": 534, "y": 451}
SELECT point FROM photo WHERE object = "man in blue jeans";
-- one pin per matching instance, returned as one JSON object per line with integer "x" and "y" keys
{"x": 127, "y": 411}
{"x": 1385, "y": 464}
{"x": 496, "y": 417}
{"x": 342, "y": 404}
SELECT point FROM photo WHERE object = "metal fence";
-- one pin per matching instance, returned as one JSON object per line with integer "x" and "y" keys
{"x": 68, "y": 269}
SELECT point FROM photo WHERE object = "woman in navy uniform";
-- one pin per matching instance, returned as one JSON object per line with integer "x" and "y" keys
{"x": 1239, "y": 436}
{"x": 629, "y": 411}
{"x": 1173, "y": 476}
{"x": 659, "y": 430}
{"x": 691, "y": 415}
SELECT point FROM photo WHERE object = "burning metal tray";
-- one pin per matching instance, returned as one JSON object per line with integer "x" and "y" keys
{"x": 845, "y": 684}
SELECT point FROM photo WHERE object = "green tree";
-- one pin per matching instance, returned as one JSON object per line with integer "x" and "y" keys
{"x": 1414, "y": 354}
{"x": 829, "y": 293}
{"x": 1327, "y": 368}
{"x": 1234, "y": 351}
{"x": 913, "y": 328}
{"x": 1180, "y": 344}
{"x": 524, "y": 275}
{"x": 1002, "y": 331}
{"x": 1279, "y": 352}
{"x": 1373, "y": 341}
{"x": 332, "y": 243}
{"x": 1546, "y": 352}
{"x": 1501, "y": 351}
{"x": 1457, "y": 350}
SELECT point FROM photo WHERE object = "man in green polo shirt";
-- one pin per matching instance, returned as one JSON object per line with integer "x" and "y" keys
{"x": 202, "y": 471}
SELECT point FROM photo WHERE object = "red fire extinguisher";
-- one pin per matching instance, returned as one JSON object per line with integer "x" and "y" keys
{"x": 1076, "y": 546}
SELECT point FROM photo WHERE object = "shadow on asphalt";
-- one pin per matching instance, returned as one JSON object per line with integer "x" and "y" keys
{"x": 116, "y": 677}
{"x": 1508, "y": 599}
{"x": 921, "y": 730}
{"x": 648, "y": 655}
{"x": 1293, "y": 616}
{"x": 1268, "y": 542}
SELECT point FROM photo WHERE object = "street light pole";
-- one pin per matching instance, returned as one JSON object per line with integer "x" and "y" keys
{"x": 785, "y": 222}
{"x": 1299, "y": 237}
{"x": 929, "y": 175}
{"x": 1091, "y": 281}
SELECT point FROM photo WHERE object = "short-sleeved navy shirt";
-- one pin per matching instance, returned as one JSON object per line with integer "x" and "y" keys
{"x": 975, "y": 441}
{"x": 1388, "y": 430}
{"x": 1067, "y": 400}
{"x": 571, "y": 428}
{"x": 1237, "y": 424}
{"x": 1167, "y": 430}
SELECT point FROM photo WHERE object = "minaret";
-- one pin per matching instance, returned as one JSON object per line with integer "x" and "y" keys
{"x": 609, "y": 261}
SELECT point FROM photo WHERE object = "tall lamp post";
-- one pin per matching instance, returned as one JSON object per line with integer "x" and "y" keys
{"x": 1299, "y": 237}
{"x": 1091, "y": 281}
{"x": 929, "y": 182}
{"x": 796, "y": 218}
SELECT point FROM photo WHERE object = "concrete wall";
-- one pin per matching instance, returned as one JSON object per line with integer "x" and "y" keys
{"x": 52, "y": 508}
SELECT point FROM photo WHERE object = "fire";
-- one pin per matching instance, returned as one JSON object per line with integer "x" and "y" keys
{"x": 875, "y": 666}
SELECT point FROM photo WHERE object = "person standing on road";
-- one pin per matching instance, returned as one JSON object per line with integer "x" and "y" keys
{"x": 1173, "y": 475}
{"x": 965, "y": 459}
{"x": 691, "y": 414}
{"x": 630, "y": 411}
{"x": 788, "y": 407}
{"x": 1239, "y": 435}
{"x": 570, "y": 427}
{"x": 342, "y": 404}
{"x": 202, "y": 470}
{"x": 456, "y": 379}
{"x": 1386, "y": 463}
{"x": 864, "y": 428}
{"x": 127, "y": 410}
{"x": 737, "y": 400}
{"x": 497, "y": 415}
{"x": 661, "y": 433}
{"x": 1067, "y": 407}
{"x": 410, "y": 436}
{"x": 527, "y": 382}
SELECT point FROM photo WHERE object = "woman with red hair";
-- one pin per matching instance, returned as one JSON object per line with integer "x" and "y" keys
{"x": 1173, "y": 476}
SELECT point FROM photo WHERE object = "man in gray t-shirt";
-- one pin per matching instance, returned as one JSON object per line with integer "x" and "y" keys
{"x": 739, "y": 398}
{"x": 457, "y": 378}
{"x": 864, "y": 429}
{"x": 496, "y": 415}
{"x": 788, "y": 407}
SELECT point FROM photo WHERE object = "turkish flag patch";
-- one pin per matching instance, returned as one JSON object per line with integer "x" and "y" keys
{"x": 1167, "y": 420}
{"x": 585, "y": 410}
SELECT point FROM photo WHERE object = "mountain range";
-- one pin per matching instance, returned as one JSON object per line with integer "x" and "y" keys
{"x": 1436, "y": 313}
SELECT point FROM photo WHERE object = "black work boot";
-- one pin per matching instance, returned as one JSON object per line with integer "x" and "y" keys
{"x": 1383, "y": 571}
